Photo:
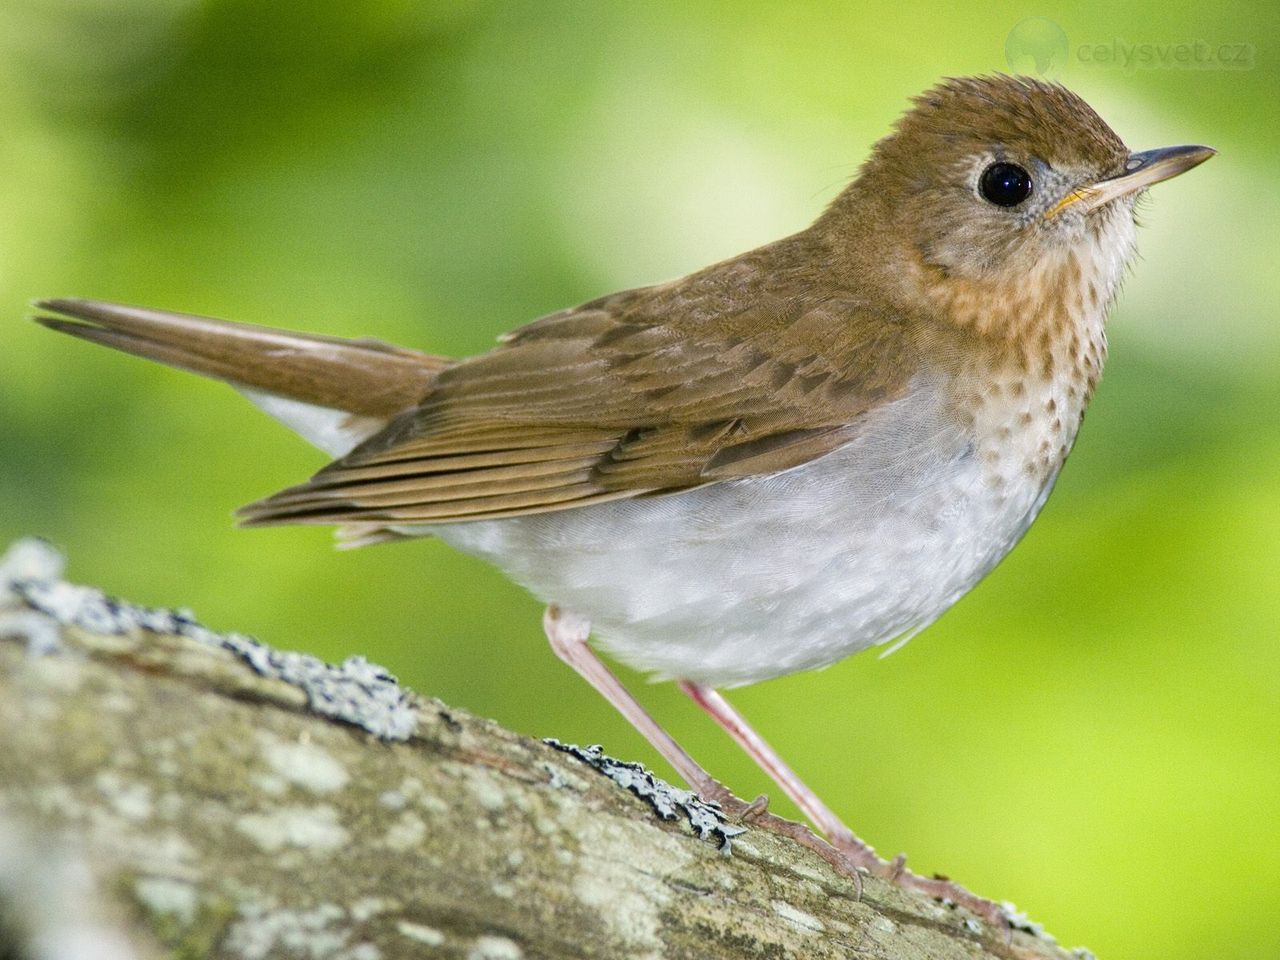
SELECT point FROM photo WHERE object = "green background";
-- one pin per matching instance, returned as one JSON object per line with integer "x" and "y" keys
{"x": 1092, "y": 733}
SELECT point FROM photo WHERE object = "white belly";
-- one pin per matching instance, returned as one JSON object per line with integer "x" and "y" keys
{"x": 741, "y": 581}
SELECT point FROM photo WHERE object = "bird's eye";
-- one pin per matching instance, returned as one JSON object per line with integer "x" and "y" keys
{"x": 1005, "y": 184}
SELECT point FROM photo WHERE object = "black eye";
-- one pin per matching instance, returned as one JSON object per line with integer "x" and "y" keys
{"x": 1005, "y": 184}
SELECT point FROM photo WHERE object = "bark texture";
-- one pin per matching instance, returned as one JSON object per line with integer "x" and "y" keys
{"x": 166, "y": 791}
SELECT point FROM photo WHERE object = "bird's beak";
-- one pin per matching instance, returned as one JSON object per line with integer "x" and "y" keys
{"x": 1141, "y": 170}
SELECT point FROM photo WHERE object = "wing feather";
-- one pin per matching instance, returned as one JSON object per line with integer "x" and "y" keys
{"x": 733, "y": 372}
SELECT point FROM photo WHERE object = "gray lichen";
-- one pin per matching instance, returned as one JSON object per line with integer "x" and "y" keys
{"x": 357, "y": 692}
{"x": 707, "y": 820}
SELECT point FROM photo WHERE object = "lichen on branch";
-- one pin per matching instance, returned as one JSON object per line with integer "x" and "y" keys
{"x": 174, "y": 791}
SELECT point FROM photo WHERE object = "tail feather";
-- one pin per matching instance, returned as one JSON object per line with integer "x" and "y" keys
{"x": 364, "y": 377}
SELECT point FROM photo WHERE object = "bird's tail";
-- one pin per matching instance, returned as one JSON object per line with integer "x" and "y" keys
{"x": 364, "y": 377}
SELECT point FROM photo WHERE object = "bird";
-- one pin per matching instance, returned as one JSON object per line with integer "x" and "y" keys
{"x": 768, "y": 465}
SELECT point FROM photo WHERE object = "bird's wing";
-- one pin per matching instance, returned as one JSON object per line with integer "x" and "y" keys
{"x": 724, "y": 374}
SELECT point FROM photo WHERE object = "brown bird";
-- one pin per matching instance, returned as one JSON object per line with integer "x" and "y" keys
{"x": 765, "y": 466}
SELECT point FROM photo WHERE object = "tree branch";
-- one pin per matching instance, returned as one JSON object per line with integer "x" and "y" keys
{"x": 228, "y": 800}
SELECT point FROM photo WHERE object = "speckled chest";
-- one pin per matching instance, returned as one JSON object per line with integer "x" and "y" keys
{"x": 1025, "y": 420}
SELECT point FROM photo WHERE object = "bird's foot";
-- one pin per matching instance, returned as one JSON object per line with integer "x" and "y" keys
{"x": 855, "y": 858}
{"x": 864, "y": 858}
{"x": 717, "y": 793}
{"x": 948, "y": 891}
{"x": 755, "y": 809}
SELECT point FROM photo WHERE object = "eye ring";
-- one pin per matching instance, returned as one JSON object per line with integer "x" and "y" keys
{"x": 1005, "y": 184}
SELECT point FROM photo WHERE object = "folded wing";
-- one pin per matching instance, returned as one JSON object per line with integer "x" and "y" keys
{"x": 721, "y": 375}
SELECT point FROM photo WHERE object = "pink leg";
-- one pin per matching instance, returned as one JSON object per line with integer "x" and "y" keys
{"x": 858, "y": 853}
{"x": 819, "y": 814}
{"x": 568, "y": 635}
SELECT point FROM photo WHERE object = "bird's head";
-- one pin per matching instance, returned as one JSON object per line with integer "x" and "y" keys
{"x": 992, "y": 186}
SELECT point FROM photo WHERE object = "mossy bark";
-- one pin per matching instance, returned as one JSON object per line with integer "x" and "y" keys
{"x": 215, "y": 814}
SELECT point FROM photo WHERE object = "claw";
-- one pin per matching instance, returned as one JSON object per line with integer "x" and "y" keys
{"x": 753, "y": 810}
{"x": 895, "y": 868}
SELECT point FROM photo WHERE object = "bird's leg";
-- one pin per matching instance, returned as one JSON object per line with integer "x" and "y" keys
{"x": 819, "y": 814}
{"x": 856, "y": 852}
{"x": 568, "y": 634}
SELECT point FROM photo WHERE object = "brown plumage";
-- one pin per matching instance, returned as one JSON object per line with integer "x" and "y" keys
{"x": 748, "y": 367}
{"x": 854, "y": 424}
{"x": 740, "y": 369}
{"x": 626, "y": 396}
{"x": 365, "y": 377}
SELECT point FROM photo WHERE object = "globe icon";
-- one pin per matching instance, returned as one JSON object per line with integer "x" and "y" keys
{"x": 1037, "y": 45}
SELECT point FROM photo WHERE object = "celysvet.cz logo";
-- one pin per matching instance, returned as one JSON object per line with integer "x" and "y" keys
{"x": 1038, "y": 45}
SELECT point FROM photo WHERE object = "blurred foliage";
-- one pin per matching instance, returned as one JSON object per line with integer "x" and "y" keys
{"x": 1092, "y": 733}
